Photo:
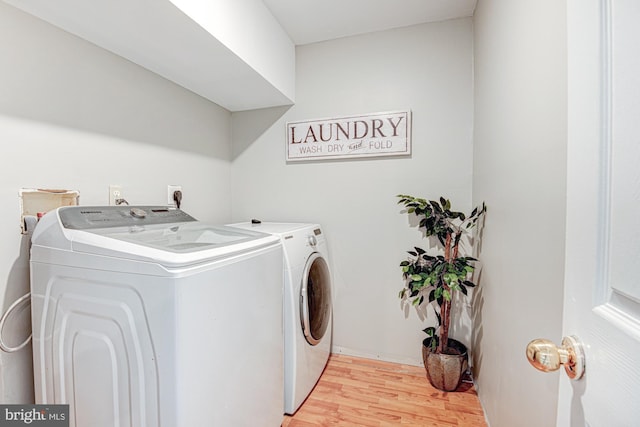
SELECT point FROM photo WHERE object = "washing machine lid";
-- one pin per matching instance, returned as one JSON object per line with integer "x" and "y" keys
{"x": 167, "y": 236}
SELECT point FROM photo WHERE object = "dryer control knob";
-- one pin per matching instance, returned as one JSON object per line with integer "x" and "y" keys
{"x": 312, "y": 240}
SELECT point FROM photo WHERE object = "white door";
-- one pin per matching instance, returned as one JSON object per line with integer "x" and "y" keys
{"x": 602, "y": 278}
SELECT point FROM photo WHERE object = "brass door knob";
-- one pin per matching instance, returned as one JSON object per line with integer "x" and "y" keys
{"x": 546, "y": 356}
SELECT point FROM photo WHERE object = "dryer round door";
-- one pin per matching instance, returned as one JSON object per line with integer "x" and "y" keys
{"x": 315, "y": 299}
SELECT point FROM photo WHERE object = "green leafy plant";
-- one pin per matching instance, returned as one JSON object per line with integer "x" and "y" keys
{"x": 434, "y": 278}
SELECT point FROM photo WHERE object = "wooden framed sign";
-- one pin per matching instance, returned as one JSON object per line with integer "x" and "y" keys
{"x": 367, "y": 135}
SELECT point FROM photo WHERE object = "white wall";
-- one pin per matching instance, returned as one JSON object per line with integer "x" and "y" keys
{"x": 426, "y": 68}
{"x": 520, "y": 170}
{"x": 75, "y": 116}
{"x": 249, "y": 30}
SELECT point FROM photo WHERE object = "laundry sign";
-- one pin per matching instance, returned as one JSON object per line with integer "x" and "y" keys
{"x": 367, "y": 135}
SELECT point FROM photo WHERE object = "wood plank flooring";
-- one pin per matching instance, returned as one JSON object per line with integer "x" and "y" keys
{"x": 370, "y": 393}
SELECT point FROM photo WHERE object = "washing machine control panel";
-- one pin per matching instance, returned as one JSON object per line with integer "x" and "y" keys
{"x": 84, "y": 218}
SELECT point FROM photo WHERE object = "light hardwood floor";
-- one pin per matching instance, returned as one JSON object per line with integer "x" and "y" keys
{"x": 357, "y": 392}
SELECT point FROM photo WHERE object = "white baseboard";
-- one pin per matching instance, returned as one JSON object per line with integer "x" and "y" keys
{"x": 376, "y": 356}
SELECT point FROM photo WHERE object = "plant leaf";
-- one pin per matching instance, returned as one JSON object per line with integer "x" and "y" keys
{"x": 430, "y": 331}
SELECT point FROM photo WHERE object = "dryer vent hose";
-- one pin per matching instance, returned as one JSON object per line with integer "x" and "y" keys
{"x": 3, "y": 346}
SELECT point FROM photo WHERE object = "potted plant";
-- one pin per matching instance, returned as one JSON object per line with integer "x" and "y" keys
{"x": 435, "y": 278}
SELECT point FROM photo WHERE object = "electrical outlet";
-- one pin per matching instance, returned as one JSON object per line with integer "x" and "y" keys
{"x": 115, "y": 193}
{"x": 170, "y": 190}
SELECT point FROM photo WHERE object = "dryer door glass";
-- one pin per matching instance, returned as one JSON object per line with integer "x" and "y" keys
{"x": 315, "y": 299}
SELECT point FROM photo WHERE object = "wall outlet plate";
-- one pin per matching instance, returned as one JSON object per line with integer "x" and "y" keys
{"x": 115, "y": 193}
{"x": 170, "y": 190}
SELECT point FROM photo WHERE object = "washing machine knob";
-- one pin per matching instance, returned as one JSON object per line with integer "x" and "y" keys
{"x": 138, "y": 213}
{"x": 312, "y": 240}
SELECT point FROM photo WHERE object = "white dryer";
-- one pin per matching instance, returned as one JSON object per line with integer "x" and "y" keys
{"x": 143, "y": 316}
{"x": 307, "y": 306}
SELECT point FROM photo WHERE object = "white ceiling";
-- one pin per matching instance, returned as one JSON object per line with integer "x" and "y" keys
{"x": 154, "y": 33}
{"x": 310, "y": 21}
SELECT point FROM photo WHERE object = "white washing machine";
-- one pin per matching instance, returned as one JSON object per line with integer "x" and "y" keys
{"x": 143, "y": 316}
{"x": 307, "y": 306}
